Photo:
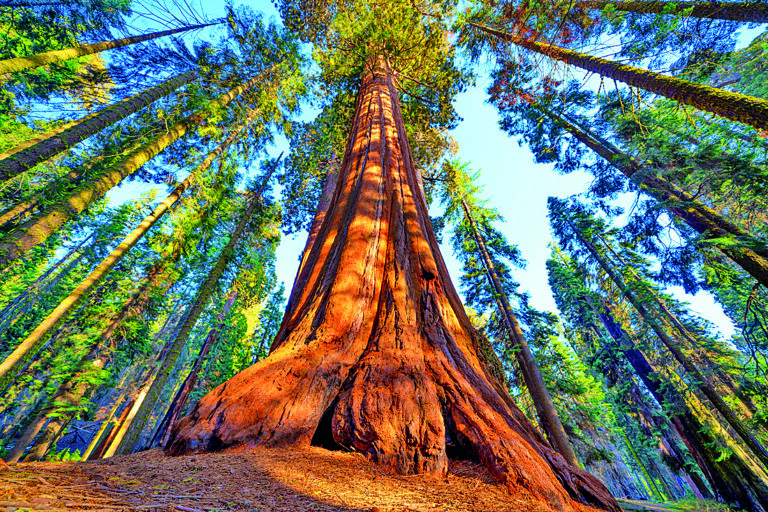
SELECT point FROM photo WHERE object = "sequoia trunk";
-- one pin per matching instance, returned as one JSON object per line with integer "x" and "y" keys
{"x": 375, "y": 352}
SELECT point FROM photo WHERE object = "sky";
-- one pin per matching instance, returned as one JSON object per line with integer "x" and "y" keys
{"x": 510, "y": 179}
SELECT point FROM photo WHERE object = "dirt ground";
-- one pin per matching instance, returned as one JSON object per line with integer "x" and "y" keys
{"x": 256, "y": 480}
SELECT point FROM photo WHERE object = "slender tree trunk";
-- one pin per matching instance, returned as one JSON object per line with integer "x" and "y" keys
{"x": 545, "y": 409}
{"x": 180, "y": 400}
{"x": 720, "y": 380}
{"x": 732, "y": 478}
{"x": 77, "y": 385}
{"x": 42, "y": 59}
{"x": 201, "y": 300}
{"x": 747, "y": 12}
{"x": 376, "y": 353}
{"x": 37, "y": 229}
{"x": 731, "y": 105}
{"x": 753, "y": 259}
{"x": 36, "y": 337}
{"x": 50, "y": 144}
{"x": 701, "y": 383}
{"x": 107, "y": 425}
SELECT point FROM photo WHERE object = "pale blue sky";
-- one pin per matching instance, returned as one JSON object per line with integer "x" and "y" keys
{"x": 511, "y": 180}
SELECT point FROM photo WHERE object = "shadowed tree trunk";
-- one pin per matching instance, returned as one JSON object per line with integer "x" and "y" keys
{"x": 50, "y": 144}
{"x": 731, "y": 105}
{"x": 42, "y": 59}
{"x": 748, "y": 12}
{"x": 752, "y": 257}
{"x": 375, "y": 352}
{"x": 180, "y": 400}
{"x": 732, "y": 478}
{"x": 673, "y": 346}
{"x": 545, "y": 409}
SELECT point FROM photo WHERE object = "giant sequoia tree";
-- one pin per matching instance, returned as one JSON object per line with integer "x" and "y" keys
{"x": 375, "y": 352}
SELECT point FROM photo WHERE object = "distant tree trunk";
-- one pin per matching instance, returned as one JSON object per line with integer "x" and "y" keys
{"x": 731, "y": 105}
{"x": 747, "y": 12}
{"x": 698, "y": 216}
{"x": 671, "y": 345}
{"x": 376, "y": 353}
{"x": 37, "y": 229}
{"x": 53, "y": 56}
{"x": 732, "y": 478}
{"x": 36, "y": 337}
{"x": 201, "y": 300}
{"x": 545, "y": 409}
{"x": 76, "y": 386}
{"x": 180, "y": 400}
{"x": 50, "y": 144}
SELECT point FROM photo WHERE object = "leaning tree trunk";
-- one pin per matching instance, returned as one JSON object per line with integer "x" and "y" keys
{"x": 733, "y": 478}
{"x": 545, "y": 409}
{"x": 205, "y": 292}
{"x": 9, "y": 366}
{"x": 701, "y": 383}
{"x": 180, "y": 400}
{"x": 376, "y": 353}
{"x": 36, "y": 230}
{"x": 747, "y": 12}
{"x": 731, "y": 105}
{"x": 42, "y": 59}
{"x": 77, "y": 385}
{"x": 50, "y": 144}
{"x": 705, "y": 221}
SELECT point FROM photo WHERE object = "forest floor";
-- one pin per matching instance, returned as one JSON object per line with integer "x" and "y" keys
{"x": 255, "y": 480}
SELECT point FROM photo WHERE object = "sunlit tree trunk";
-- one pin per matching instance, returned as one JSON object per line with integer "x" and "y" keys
{"x": 748, "y": 12}
{"x": 204, "y": 294}
{"x": 50, "y": 144}
{"x": 731, "y": 105}
{"x": 37, "y": 229}
{"x": 36, "y": 337}
{"x": 375, "y": 353}
{"x": 545, "y": 409}
{"x": 53, "y": 56}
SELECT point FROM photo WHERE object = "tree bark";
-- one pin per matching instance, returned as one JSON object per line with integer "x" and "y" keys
{"x": 37, "y": 229}
{"x": 731, "y": 105}
{"x": 746, "y": 12}
{"x": 376, "y": 353}
{"x": 545, "y": 409}
{"x": 704, "y": 220}
{"x": 41, "y": 59}
{"x": 50, "y": 144}
{"x": 201, "y": 300}
{"x": 700, "y": 382}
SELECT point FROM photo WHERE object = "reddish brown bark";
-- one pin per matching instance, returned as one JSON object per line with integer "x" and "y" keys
{"x": 375, "y": 352}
